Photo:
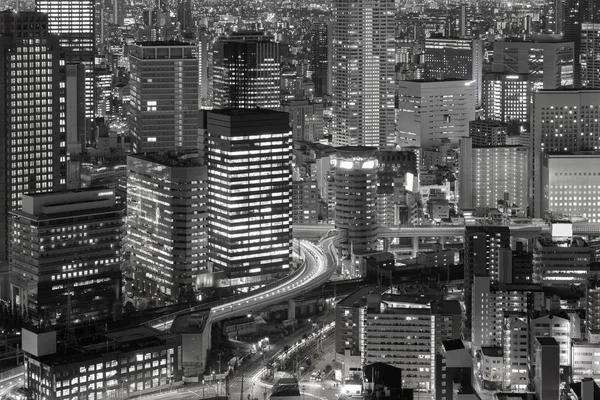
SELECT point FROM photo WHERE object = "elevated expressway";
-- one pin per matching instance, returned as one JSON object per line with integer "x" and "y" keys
{"x": 417, "y": 231}
{"x": 316, "y": 269}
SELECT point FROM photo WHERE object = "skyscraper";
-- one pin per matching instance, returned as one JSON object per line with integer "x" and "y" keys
{"x": 246, "y": 72}
{"x": 32, "y": 140}
{"x": 319, "y": 59}
{"x": 363, "y": 73}
{"x": 166, "y": 232}
{"x": 164, "y": 97}
{"x": 506, "y": 97}
{"x": 65, "y": 256}
{"x": 455, "y": 58}
{"x": 356, "y": 198}
{"x": 548, "y": 62}
{"x": 498, "y": 170}
{"x": 590, "y": 56}
{"x": 249, "y": 194}
{"x": 562, "y": 121}
{"x": 73, "y": 22}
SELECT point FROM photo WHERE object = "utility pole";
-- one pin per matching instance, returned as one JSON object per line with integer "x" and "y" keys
{"x": 242, "y": 389}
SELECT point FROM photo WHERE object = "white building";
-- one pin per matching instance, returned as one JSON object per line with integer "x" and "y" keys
{"x": 363, "y": 52}
{"x": 571, "y": 184}
{"x": 431, "y": 111}
{"x": 557, "y": 326}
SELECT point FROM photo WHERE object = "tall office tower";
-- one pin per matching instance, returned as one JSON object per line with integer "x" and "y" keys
{"x": 562, "y": 121}
{"x": 306, "y": 119}
{"x": 246, "y": 72}
{"x": 75, "y": 124}
{"x": 561, "y": 261}
{"x": 356, "y": 198}
{"x": 483, "y": 246}
{"x": 455, "y": 58}
{"x": 506, "y": 97}
{"x": 31, "y": 136}
{"x": 249, "y": 194}
{"x": 65, "y": 256}
{"x": 320, "y": 57}
{"x": 204, "y": 70}
{"x": 430, "y": 112}
{"x": 73, "y": 22}
{"x": 363, "y": 73}
{"x": 164, "y": 97}
{"x": 166, "y": 223}
{"x": 487, "y": 133}
{"x": 499, "y": 170}
{"x": 548, "y": 62}
{"x": 570, "y": 185}
{"x": 465, "y": 174}
{"x": 547, "y": 370}
{"x": 590, "y": 56}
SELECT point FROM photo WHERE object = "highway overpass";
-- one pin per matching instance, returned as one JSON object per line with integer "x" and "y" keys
{"x": 314, "y": 272}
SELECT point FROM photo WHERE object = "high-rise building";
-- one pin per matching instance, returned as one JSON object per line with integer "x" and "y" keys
{"x": 246, "y": 72}
{"x": 506, "y": 97}
{"x": 363, "y": 73}
{"x": 397, "y": 172}
{"x": 249, "y": 193}
{"x": 499, "y": 170}
{"x": 483, "y": 246}
{"x": 548, "y": 62}
{"x": 73, "y": 21}
{"x": 164, "y": 97}
{"x": 515, "y": 348}
{"x": 65, "y": 256}
{"x": 458, "y": 58}
{"x": 430, "y": 112}
{"x": 306, "y": 119}
{"x": 166, "y": 232}
{"x": 453, "y": 370}
{"x": 32, "y": 139}
{"x": 465, "y": 174}
{"x": 320, "y": 57}
{"x": 590, "y": 56}
{"x": 570, "y": 185}
{"x": 305, "y": 202}
{"x": 356, "y": 198}
{"x": 562, "y": 121}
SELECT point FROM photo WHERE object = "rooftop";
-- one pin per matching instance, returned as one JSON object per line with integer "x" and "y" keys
{"x": 547, "y": 341}
{"x": 490, "y": 351}
{"x": 167, "y": 43}
{"x": 169, "y": 159}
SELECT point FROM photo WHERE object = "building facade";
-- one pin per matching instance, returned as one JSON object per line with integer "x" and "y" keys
{"x": 356, "y": 198}
{"x": 363, "y": 73}
{"x": 246, "y": 72}
{"x": 506, "y": 97}
{"x": 166, "y": 223}
{"x": 65, "y": 256}
{"x": 499, "y": 170}
{"x": 249, "y": 193}
{"x": 31, "y": 132}
{"x": 164, "y": 97}
{"x": 590, "y": 55}
{"x": 430, "y": 112}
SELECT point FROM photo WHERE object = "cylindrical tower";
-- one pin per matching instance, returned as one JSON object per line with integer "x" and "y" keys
{"x": 356, "y": 197}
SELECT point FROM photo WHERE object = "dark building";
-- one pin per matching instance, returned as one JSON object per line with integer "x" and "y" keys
{"x": 32, "y": 139}
{"x": 453, "y": 370}
{"x": 249, "y": 193}
{"x": 246, "y": 72}
{"x": 483, "y": 246}
{"x": 319, "y": 61}
{"x": 74, "y": 24}
{"x": 65, "y": 256}
{"x": 487, "y": 133}
{"x": 164, "y": 97}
